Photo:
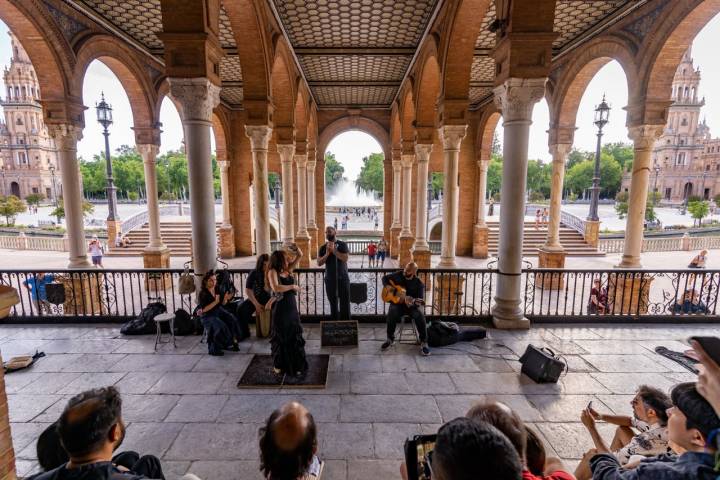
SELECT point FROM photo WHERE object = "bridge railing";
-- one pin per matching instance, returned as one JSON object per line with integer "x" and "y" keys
{"x": 572, "y": 221}
{"x": 467, "y": 295}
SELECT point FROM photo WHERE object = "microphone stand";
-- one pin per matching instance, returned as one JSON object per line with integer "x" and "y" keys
{"x": 337, "y": 291}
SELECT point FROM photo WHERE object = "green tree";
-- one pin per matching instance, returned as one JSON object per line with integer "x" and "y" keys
{"x": 621, "y": 206}
{"x": 579, "y": 176}
{"x": 539, "y": 178}
{"x": 494, "y": 174}
{"x": 620, "y": 151}
{"x": 577, "y": 156}
{"x": 371, "y": 174}
{"x": 59, "y": 212}
{"x": 34, "y": 199}
{"x": 333, "y": 170}
{"x": 10, "y": 206}
{"x": 437, "y": 179}
{"x": 698, "y": 210}
{"x": 496, "y": 148}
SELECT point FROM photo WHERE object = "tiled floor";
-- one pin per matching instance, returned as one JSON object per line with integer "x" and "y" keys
{"x": 183, "y": 405}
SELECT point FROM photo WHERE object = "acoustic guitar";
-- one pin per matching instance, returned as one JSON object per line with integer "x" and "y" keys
{"x": 393, "y": 293}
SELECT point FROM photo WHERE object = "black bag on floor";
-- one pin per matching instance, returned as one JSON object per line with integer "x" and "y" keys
{"x": 183, "y": 323}
{"x": 542, "y": 365}
{"x": 144, "y": 324}
{"x": 441, "y": 334}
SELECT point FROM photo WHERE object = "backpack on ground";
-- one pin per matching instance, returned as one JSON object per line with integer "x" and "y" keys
{"x": 441, "y": 334}
{"x": 183, "y": 323}
{"x": 144, "y": 323}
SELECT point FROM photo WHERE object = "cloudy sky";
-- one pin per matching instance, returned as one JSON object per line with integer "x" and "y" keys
{"x": 352, "y": 146}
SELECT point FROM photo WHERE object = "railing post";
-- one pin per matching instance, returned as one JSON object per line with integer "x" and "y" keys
{"x": 685, "y": 242}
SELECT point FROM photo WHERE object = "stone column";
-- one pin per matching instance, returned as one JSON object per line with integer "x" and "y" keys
{"x": 552, "y": 253}
{"x": 66, "y": 137}
{"x": 226, "y": 232}
{"x": 286, "y": 155}
{"x": 259, "y": 136}
{"x": 515, "y": 98}
{"x": 311, "y": 223}
{"x": 406, "y": 237}
{"x": 197, "y": 98}
{"x": 644, "y": 137}
{"x": 421, "y": 249}
{"x": 302, "y": 239}
{"x": 452, "y": 136}
{"x": 480, "y": 229}
{"x": 155, "y": 254}
{"x": 396, "y": 197}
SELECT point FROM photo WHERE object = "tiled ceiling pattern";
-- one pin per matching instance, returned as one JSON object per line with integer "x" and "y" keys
{"x": 232, "y": 95}
{"x": 483, "y": 69}
{"x": 141, "y": 19}
{"x": 230, "y": 70}
{"x": 486, "y": 38}
{"x": 354, "y": 24}
{"x": 477, "y": 94}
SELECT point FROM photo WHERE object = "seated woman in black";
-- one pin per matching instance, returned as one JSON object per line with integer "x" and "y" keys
{"x": 258, "y": 295}
{"x": 223, "y": 329}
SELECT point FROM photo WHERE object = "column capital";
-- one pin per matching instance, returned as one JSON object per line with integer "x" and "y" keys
{"x": 148, "y": 151}
{"x": 301, "y": 160}
{"x": 66, "y": 135}
{"x": 560, "y": 151}
{"x": 516, "y": 97}
{"x": 145, "y": 135}
{"x": 422, "y": 151}
{"x": 452, "y": 136}
{"x": 197, "y": 97}
{"x": 286, "y": 152}
{"x": 311, "y": 163}
{"x": 644, "y": 136}
{"x": 482, "y": 164}
{"x": 224, "y": 165}
{"x": 259, "y": 136}
{"x": 396, "y": 165}
{"x": 407, "y": 160}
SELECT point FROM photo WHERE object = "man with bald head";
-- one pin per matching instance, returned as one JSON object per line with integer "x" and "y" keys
{"x": 410, "y": 305}
{"x": 288, "y": 444}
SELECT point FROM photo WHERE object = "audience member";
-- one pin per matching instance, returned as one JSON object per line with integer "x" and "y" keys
{"x": 598, "y": 299}
{"x": 223, "y": 329}
{"x": 468, "y": 449}
{"x": 50, "y": 452}
{"x": 699, "y": 260}
{"x": 511, "y": 425}
{"x": 258, "y": 295}
{"x": 90, "y": 429}
{"x": 36, "y": 286}
{"x": 535, "y": 456}
{"x": 649, "y": 418}
{"x": 708, "y": 383}
{"x": 288, "y": 445}
{"x": 690, "y": 423}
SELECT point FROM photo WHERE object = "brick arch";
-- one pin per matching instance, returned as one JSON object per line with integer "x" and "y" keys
{"x": 283, "y": 87}
{"x": 428, "y": 87}
{"x": 395, "y": 127}
{"x": 221, "y": 129}
{"x": 457, "y": 48}
{"x": 678, "y": 28}
{"x": 124, "y": 64}
{"x": 254, "y": 46}
{"x": 312, "y": 127}
{"x": 564, "y": 93}
{"x": 301, "y": 114}
{"x": 48, "y": 51}
{"x": 486, "y": 132}
{"x": 407, "y": 115}
{"x": 354, "y": 122}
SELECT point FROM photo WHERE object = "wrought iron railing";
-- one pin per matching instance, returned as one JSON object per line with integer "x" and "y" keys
{"x": 359, "y": 247}
{"x": 572, "y": 221}
{"x": 561, "y": 296}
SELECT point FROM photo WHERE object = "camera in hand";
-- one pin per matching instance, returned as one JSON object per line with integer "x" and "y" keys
{"x": 418, "y": 456}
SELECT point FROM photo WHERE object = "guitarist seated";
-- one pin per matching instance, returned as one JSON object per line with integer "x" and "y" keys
{"x": 409, "y": 293}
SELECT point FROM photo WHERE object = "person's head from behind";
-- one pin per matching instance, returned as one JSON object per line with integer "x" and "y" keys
{"x": 504, "y": 419}
{"x": 691, "y": 418}
{"x": 535, "y": 455}
{"x": 262, "y": 263}
{"x": 50, "y": 452}
{"x": 410, "y": 270}
{"x": 278, "y": 261}
{"x": 650, "y": 405}
{"x": 91, "y": 425}
{"x": 288, "y": 442}
{"x": 467, "y": 449}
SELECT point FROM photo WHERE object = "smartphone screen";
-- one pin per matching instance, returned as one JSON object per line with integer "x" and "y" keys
{"x": 711, "y": 345}
{"x": 424, "y": 449}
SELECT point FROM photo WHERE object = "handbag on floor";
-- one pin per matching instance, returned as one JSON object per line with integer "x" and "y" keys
{"x": 541, "y": 364}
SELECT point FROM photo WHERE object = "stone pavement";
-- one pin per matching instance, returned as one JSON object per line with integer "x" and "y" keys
{"x": 183, "y": 406}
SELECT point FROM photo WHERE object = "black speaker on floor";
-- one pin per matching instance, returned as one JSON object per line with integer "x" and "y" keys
{"x": 541, "y": 364}
{"x": 358, "y": 293}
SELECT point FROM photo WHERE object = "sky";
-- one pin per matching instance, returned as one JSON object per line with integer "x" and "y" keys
{"x": 352, "y": 146}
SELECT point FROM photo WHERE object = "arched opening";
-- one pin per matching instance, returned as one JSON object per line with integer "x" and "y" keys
{"x": 687, "y": 190}
{"x": 15, "y": 189}
{"x": 354, "y": 183}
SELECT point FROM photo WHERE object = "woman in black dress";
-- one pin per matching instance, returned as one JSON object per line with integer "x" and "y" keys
{"x": 286, "y": 340}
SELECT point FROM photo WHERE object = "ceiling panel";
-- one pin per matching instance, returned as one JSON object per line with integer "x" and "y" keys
{"x": 141, "y": 19}
{"x": 574, "y": 17}
{"x": 230, "y": 70}
{"x": 361, "y": 95}
{"x": 354, "y": 67}
{"x": 483, "y": 69}
{"x": 232, "y": 95}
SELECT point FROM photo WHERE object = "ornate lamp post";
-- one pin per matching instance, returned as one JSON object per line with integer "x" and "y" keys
{"x": 55, "y": 197}
{"x": 104, "y": 118}
{"x": 655, "y": 190}
{"x": 276, "y": 188}
{"x": 602, "y": 113}
{"x": 4, "y": 185}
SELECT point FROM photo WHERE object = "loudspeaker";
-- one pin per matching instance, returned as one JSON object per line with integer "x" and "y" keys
{"x": 541, "y": 364}
{"x": 358, "y": 292}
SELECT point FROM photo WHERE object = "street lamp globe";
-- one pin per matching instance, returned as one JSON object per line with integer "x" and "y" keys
{"x": 602, "y": 114}
{"x": 104, "y": 112}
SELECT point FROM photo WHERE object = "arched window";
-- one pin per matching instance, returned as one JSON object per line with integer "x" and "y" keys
{"x": 680, "y": 160}
{"x": 682, "y": 141}
{"x": 687, "y": 90}
{"x": 684, "y": 122}
{"x": 24, "y": 92}
{"x": 21, "y": 158}
{"x": 17, "y": 93}
{"x": 18, "y": 121}
{"x": 9, "y": 93}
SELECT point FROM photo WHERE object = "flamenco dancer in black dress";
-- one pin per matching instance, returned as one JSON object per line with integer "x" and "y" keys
{"x": 286, "y": 340}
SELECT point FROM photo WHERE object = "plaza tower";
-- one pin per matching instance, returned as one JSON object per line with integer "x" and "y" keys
{"x": 27, "y": 153}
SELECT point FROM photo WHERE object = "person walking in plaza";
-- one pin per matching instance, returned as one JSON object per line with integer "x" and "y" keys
{"x": 334, "y": 255}
{"x": 377, "y": 222}
{"x": 699, "y": 261}
{"x": 36, "y": 286}
{"x": 371, "y": 252}
{"x": 409, "y": 305}
{"x": 286, "y": 334}
{"x": 538, "y": 219}
{"x": 381, "y": 252}
{"x": 95, "y": 249}
{"x": 545, "y": 217}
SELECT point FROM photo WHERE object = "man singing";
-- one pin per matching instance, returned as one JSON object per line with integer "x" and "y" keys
{"x": 410, "y": 306}
{"x": 334, "y": 255}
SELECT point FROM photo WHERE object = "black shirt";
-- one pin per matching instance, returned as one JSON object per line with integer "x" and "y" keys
{"x": 256, "y": 283}
{"x": 93, "y": 471}
{"x": 341, "y": 247}
{"x": 413, "y": 287}
{"x": 206, "y": 298}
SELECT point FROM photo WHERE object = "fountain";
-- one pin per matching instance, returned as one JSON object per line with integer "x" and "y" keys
{"x": 345, "y": 195}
